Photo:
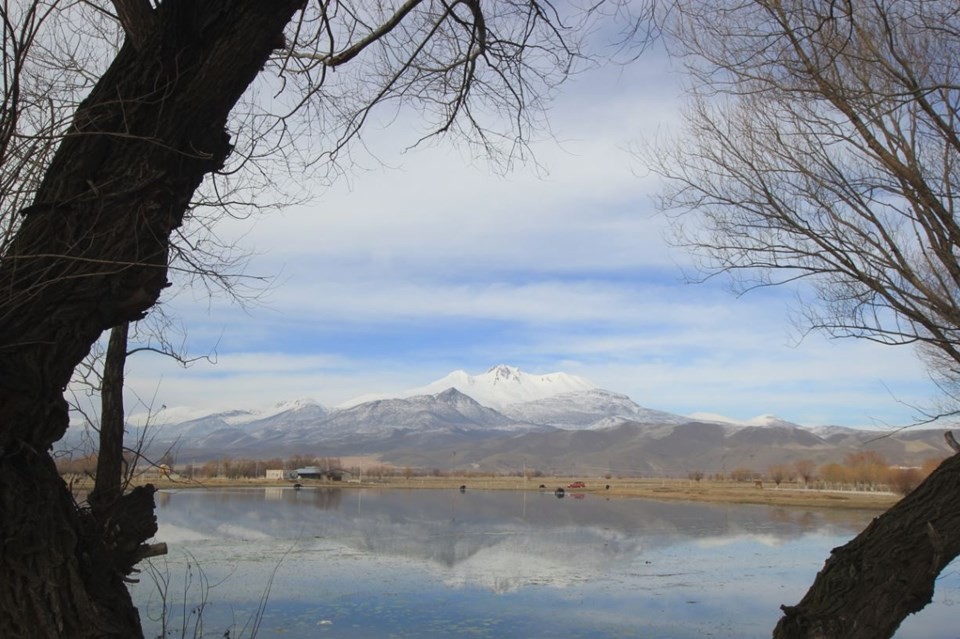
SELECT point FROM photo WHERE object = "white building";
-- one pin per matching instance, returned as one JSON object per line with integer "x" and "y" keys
{"x": 279, "y": 474}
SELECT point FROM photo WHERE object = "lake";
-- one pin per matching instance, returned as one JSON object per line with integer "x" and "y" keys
{"x": 358, "y": 563}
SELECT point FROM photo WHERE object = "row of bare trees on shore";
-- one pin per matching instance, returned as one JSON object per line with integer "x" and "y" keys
{"x": 861, "y": 470}
{"x": 227, "y": 467}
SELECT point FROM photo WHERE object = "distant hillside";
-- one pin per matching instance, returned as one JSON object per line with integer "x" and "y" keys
{"x": 642, "y": 449}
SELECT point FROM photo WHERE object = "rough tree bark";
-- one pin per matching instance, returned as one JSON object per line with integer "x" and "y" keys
{"x": 868, "y": 586}
{"x": 91, "y": 254}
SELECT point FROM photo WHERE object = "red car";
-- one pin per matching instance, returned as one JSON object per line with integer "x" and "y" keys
{"x": 577, "y": 484}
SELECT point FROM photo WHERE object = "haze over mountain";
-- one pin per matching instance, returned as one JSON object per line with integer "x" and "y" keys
{"x": 506, "y": 419}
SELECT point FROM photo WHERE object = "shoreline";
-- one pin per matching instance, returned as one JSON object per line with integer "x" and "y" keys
{"x": 729, "y": 492}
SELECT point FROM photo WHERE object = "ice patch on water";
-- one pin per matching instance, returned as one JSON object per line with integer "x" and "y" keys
{"x": 771, "y": 541}
{"x": 173, "y": 534}
{"x": 241, "y": 532}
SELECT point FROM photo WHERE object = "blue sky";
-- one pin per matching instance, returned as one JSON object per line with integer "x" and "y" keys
{"x": 392, "y": 277}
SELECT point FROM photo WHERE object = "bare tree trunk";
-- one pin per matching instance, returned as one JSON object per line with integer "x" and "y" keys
{"x": 54, "y": 581}
{"x": 91, "y": 254}
{"x": 108, "y": 486}
{"x": 869, "y": 586}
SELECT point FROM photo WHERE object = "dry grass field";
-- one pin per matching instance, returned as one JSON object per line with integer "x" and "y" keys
{"x": 788, "y": 494}
{"x": 669, "y": 489}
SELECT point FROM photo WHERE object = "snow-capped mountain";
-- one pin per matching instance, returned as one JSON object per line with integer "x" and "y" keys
{"x": 309, "y": 426}
{"x": 445, "y": 411}
{"x": 594, "y": 408}
{"x": 507, "y": 419}
{"x": 179, "y": 422}
{"x": 499, "y": 387}
{"x": 233, "y": 416}
{"x": 766, "y": 420}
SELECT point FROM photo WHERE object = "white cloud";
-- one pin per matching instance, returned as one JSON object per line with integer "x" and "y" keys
{"x": 394, "y": 277}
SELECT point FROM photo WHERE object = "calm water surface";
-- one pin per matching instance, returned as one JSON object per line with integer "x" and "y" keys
{"x": 352, "y": 563}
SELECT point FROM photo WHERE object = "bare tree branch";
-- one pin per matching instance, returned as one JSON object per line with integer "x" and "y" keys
{"x": 821, "y": 147}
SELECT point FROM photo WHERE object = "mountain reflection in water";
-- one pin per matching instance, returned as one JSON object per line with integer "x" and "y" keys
{"x": 670, "y": 569}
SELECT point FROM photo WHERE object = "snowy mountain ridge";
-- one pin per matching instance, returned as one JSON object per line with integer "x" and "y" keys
{"x": 497, "y": 388}
{"x": 593, "y": 408}
{"x": 559, "y": 400}
{"x": 507, "y": 419}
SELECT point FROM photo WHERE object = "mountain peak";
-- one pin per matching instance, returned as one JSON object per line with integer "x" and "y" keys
{"x": 295, "y": 404}
{"x": 453, "y": 395}
{"x": 502, "y": 371}
{"x": 766, "y": 420}
{"x": 769, "y": 419}
{"x": 504, "y": 385}
{"x": 500, "y": 386}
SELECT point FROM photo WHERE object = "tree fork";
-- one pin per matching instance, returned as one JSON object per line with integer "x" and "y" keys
{"x": 869, "y": 586}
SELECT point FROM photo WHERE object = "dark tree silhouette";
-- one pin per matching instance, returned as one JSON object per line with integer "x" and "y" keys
{"x": 89, "y": 204}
